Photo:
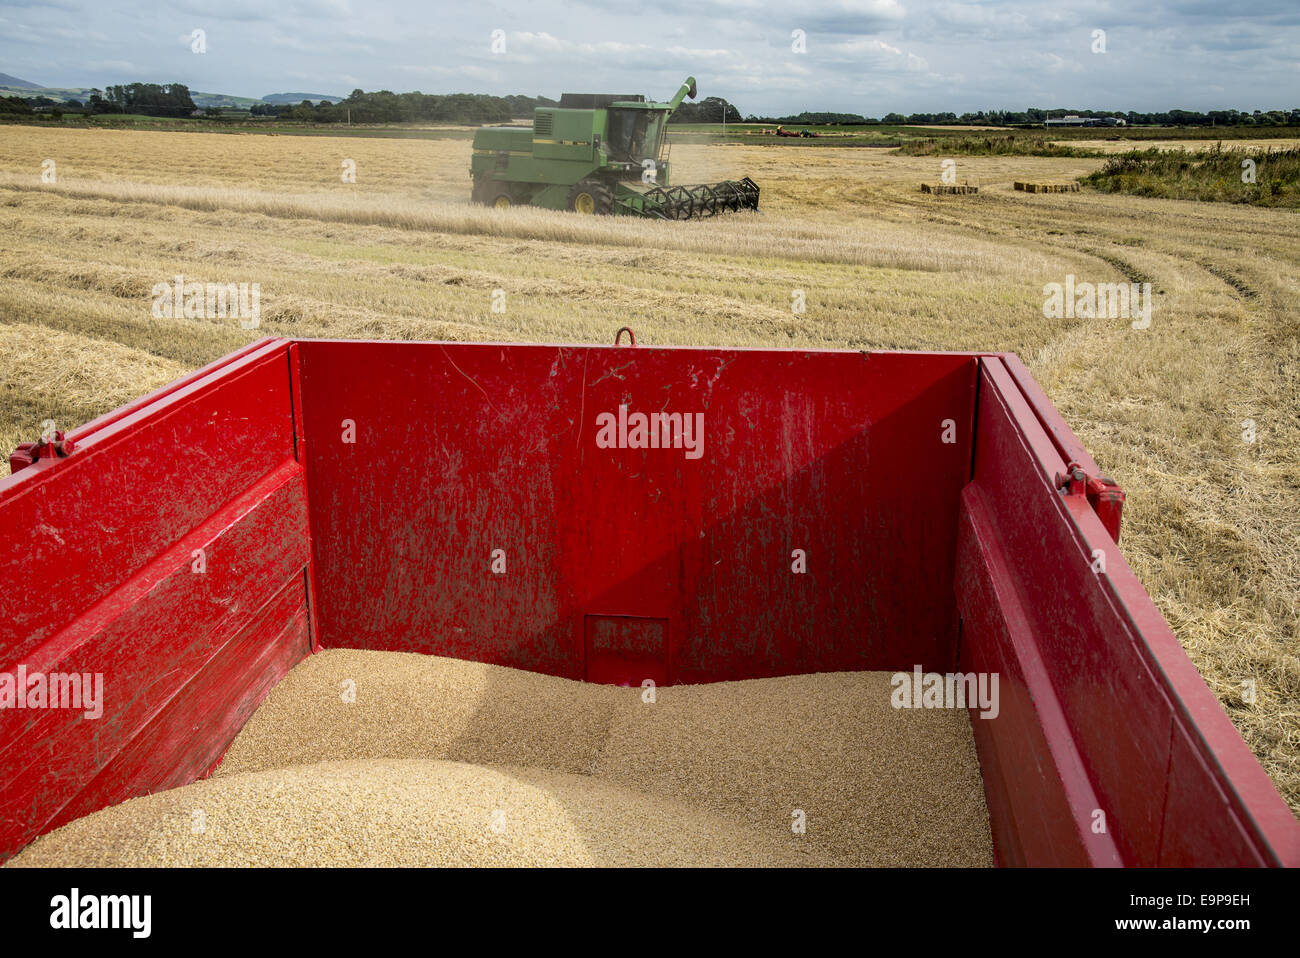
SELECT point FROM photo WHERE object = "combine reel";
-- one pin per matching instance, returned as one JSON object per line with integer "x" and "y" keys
{"x": 689, "y": 202}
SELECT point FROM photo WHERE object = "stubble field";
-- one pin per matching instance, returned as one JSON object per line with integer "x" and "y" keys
{"x": 1211, "y": 524}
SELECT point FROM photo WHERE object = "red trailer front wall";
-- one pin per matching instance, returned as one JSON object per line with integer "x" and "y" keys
{"x": 628, "y": 564}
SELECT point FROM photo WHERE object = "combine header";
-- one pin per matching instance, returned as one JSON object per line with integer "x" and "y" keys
{"x": 597, "y": 153}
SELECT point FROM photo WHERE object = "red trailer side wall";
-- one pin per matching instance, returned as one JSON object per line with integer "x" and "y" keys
{"x": 101, "y": 561}
{"x": 622, "y": 564}
{"x": 1109, "y": 748}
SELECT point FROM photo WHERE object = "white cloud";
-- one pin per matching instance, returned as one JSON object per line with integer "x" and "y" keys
{"x": 114, "y": 66}
{"x": 868, "y": 56}
{"x": 1051, "y": 63}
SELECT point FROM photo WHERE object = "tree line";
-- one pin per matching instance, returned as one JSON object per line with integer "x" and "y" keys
{"x": 148, "y": 99}
{"x": 1034, "y": 116}
{"x": 708, "y": 110}
{"x": 385, "y": 106}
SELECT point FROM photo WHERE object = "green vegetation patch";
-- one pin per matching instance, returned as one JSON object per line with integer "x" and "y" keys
{"x": 998, "y": 144}
{"x": 1268, "y": 178}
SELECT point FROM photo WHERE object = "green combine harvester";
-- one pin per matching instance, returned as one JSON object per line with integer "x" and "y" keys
{"x": 597, "y": 153}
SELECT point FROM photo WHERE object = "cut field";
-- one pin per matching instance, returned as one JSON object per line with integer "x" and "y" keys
{"x": 1211, "y": 524}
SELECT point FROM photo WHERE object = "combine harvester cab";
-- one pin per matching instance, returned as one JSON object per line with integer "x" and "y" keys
{"x": 597, "y": 153}
{"x": 788, "y": 512}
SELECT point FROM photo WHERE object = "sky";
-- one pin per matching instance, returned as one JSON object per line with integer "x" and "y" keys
{"x": 869, "y": 57}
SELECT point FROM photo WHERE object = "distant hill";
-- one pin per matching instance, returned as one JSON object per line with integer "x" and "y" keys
{"x": 13, "y": 86}
{"x": 16, "y": 84}
{"x": 295, "y": 98}
{"x": 205, "y": 100}
{"x": 82, "y": 94}
{"x": 54, "y": 93}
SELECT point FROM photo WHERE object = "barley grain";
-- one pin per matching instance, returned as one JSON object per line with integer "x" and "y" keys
{"x": 378, "y": 758}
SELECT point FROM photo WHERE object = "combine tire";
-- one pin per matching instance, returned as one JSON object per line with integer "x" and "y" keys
{"x": 591, "y": 196}
{"x": 491, "y": 193}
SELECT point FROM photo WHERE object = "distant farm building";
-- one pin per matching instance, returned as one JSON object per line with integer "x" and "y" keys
{"x": 1073, "y": 120}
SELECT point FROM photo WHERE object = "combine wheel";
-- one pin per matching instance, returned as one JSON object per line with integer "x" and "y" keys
{"x": 492, "y": 193}
{"x": 591, "y": 196}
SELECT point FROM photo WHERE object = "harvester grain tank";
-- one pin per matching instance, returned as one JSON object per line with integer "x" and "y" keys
{"x": 597, "y": 153}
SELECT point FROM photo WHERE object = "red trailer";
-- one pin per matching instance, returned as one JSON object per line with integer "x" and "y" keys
{"x": 612, "y": 514}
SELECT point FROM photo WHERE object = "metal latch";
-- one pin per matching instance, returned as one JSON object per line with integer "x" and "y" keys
{"x": 28, "y": 452}
{"x": 1103, "y": 494}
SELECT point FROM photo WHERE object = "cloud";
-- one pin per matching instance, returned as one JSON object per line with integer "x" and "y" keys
{"x": 113, "y": 66}
{"x": 1051, "y": 63}
{"x": 863, "y": 56}
{"x": 430, "y": 70}
{"x": 238, "y": 10}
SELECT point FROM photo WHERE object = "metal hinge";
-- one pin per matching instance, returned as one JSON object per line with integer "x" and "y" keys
{"x": 28, "y": 452}
{"x": 1103, "y": 494}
